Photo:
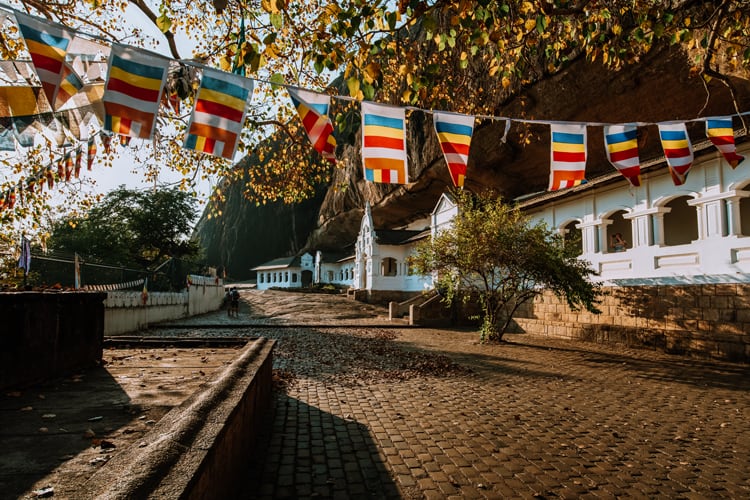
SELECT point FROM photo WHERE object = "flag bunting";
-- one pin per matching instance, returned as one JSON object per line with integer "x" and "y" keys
{"x": 219, "y": 113}
{"x": 568, "y": 156}
{"x": 621, "y": 144}
{"x": 454, "y": 134}
{"x": 312, "y": 109}
{"x": 721, "y": 134}
{"x": 384, "y": 143}
{"x": 677, "y": 150}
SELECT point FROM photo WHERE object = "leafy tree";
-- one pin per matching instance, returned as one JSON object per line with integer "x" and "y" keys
{"x": 131, "y": 228}
{"x": 493, "y": 253}
{"x": 463, "y": 56}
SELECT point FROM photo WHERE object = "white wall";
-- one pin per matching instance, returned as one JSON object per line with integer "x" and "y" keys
{"x": 715, "y": 195}
{"x": 126, "y": 312}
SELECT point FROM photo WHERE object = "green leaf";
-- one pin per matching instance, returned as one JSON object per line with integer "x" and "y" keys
{"x": 163, "y": 22}
{"x": 276, "y": 80}
{"x": 368, "y": 91}
{"x": 353, "y": 84}
{"x": 276, "y": 19}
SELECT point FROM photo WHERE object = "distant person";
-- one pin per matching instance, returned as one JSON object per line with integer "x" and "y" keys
{"x": 234, "y": 306}
{"x": 618, "y": 243}
{"x": 227, "y": 302}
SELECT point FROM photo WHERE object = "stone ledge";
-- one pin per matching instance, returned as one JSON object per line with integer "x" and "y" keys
{"x": 199, "y": 448}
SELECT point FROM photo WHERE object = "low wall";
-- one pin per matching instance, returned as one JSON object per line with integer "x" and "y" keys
{"x": 48, "y": 334}
{"x": 710, "y": 320}
{"x": 201, "y": 448}
{"x": 127, "y": 312}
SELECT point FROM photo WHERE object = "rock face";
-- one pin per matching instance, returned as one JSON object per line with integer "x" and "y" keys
{"x": 659, "y": 88}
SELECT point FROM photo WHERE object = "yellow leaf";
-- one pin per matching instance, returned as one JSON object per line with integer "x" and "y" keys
{"x": 353, "y": 84}
{"x": 372, "y": 71}
{"x": 530, "y": 24}
{"x": 505, "y": 82}
{"x": 406, "y": 95}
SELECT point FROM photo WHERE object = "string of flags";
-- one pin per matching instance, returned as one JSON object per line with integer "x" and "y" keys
{"x": 134, "y": 91}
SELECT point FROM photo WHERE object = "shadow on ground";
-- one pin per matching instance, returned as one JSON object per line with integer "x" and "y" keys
{"x": 45, "y": 425}
{"x": 332, "y": 457}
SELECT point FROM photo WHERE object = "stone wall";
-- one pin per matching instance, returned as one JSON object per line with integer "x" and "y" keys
{"x": 710, "y": 320}
{"x": 48, "y": 334}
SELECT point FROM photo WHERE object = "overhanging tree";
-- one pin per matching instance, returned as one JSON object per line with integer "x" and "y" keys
{"x": 494, "y": 254}
{"x": 462, "y": 56}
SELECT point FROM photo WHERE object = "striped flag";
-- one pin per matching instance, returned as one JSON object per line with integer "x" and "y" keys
{"x": 133, "y": 91}
{"x": 78, "y": 162}
{"x": 721, "y": 133}
{"x": 621, "y": 144}
{"x": 91, "y": 153}
{"x": 219, "y": 113}
{"x": 677, "y": 150}
{"x": 384, "y": 143}
{"x": 568, "y": 156}
{"x": 48, "y": 44}
{"x": 313, "y": 111}
{"x": 454, "y": 133}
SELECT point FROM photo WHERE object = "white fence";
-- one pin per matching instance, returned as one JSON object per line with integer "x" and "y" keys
{"x": 126, "y": 312}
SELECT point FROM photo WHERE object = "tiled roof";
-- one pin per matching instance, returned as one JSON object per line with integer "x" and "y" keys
{"x": 280, "y": 263}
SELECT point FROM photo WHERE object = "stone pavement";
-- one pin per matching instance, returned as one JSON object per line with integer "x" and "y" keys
{"x": 416, "y": 413}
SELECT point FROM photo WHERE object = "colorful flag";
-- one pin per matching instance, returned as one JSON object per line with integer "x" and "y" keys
{"x": 219, "y": 113}
{"x": 25, "y": 129}
{"x": 313, "y": 111}
{"x": 454, "y": 133}
{"x": 568, "y": 156}
{"x": 48, "y": 44}
{"x": 721, "y": 133}
{"x": 68, "y": 165}
{"x": 79, "y": 160}
{"x": 107, "y": 142}
{"x": 91, "y": 151}
{"x": 677, "y": 150}
{"x": 133, "y": 91}
{"x": 621, "y": 144}
{"x": 384, "y": 143}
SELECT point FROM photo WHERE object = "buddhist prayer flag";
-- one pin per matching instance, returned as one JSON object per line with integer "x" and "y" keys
{"x": 219, "y": 113}
{"x": 7, "y": 137}
{"x": 621, "y": 144}
{"x": 133, "y": 91}
{"x": 384, "y": 143}
{"x": 48, "y": 44}
{"x": 454, "y": 133}
{"x": 677, "y": 150}
{"x": 568, "y": 156}
{"x": 25, "y": 128}
{"x": 721, "y": 133}
{"x": 313, "y": 111}
{"x": 91, "y": 152}
{"x": 78, "y": 162}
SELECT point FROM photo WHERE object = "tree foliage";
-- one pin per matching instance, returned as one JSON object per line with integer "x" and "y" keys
{"x": 492, "y": 253}
{"x": 454, "y": 55}
{"x": 131, "y": 228}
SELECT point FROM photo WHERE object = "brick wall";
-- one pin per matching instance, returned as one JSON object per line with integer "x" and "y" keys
{"x": 711, "y": 320}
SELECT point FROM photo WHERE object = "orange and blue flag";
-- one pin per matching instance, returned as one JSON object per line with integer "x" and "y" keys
{"x": 384, "y": 143}
{"x": 91, "y": 153}
{"x": 568, "y": 155}
{"x": 132, "y": 94}
{"x": 678, "y": 150}
{"x": 721, "y": 133}
{"x": 219, "y": 113}
{"x": 313, "y": 111}
{"x": 454, "y": 133}
{"x": 48, "y": 44}
{"x": 621, "y": 144}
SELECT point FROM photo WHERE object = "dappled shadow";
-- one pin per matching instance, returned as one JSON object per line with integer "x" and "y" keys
{"x": 647, "y": 364}
{"x": 309, "y": 452}
{"x": 52, "y": 423}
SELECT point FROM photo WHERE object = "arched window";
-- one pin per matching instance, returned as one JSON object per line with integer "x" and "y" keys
{"x": 572, "y": 236}
{"x": 744, "y": 221}
{"x": 294, "y": 277}
{"x": 619, "y": 233}
{"x": 388, "y": 267}
{"x": 286, "y": 276}
{"x": 330, "y": 276}
{"x": 260, "y": 277}
{"x": 681, "y": 223}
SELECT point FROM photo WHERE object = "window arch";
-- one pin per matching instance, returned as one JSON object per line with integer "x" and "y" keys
{"x": 681, "y": 222}
{"x": 388, "y": 267}
{"x": 619, "y": 234}
{"x": 744, "y": 203}
{"x": 571, "y": 236}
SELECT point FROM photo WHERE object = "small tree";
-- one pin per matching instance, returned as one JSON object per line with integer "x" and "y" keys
{"x": 494, "y": 254}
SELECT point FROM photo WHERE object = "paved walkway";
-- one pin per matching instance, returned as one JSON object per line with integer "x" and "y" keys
{"x": 367, "y": 412}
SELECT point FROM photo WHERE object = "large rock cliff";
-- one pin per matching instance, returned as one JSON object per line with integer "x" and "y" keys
{"x": 659, "y": 88}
